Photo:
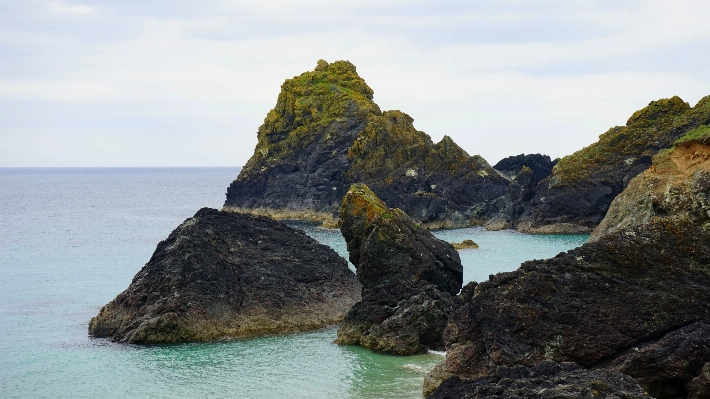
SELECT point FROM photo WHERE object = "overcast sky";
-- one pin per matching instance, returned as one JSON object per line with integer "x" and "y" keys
{"x": 187, "y": 83}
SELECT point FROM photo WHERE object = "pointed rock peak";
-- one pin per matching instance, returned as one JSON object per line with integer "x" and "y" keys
{"x": 362, "y": 204}
{"x": 342, "y": 74}
{"x": 658, "y": 109}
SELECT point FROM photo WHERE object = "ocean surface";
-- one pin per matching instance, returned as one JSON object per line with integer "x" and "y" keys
{"x": 72, "y": 239}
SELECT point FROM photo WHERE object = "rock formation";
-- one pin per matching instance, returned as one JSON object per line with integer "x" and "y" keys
{"x": 590, "y": 306}
{"x": 465, "y": 244}
{"x": 408, "y": 278}
{"x": 634, "y": 300}
{"x": 225, "y": 275}
{"x": 577, "y": 195}
{"x": 326, "y": 133}
{"x": 677, "y": 184}
{"x": 548, "y": 380}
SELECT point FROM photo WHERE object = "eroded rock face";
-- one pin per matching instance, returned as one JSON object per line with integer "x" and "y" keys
{"x": 588, "y": 306}
{"x": 227, "y": 275}
{"x": 577, "y": 195}
{"x": 408, "y": 277}
{"x": 677, "y": 184}
{"x": 548, "y": 380}
{"x": 326, "y": 133}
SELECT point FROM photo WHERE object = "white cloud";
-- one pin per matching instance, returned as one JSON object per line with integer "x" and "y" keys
{"x": 62, "y": 8}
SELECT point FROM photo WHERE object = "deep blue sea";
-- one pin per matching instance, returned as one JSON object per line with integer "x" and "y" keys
{"x": 72, "y": 239}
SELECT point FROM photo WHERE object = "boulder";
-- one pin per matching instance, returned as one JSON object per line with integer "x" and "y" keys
{"x": 228, "y": 275}
{"x": 465, "y": 244}
{"x": 408, "y": 277}
{"x": 548, "y": 380}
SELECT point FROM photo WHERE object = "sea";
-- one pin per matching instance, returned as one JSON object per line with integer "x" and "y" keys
{"x": 72, "y": 239}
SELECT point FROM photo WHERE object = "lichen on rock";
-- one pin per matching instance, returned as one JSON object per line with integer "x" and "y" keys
{"x": 408, "y": 278}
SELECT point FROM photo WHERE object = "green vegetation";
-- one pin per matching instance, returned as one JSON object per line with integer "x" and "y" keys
{"x": 701, "y": 134}
{"x": 648, "y": 130}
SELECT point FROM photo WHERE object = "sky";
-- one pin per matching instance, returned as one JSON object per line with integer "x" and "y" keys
{"x": 113, "y": 83}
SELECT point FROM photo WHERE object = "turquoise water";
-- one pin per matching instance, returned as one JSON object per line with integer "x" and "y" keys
{"x": 72, "y": 239}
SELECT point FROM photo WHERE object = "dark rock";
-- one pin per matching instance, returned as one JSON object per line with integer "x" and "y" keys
{"x": 588, "y": 306}
{"x": 548, "y": 380}
{"x": 226, "y": 275}
{"x": 539, "y": 164}
{"x": 664, "y": 367}
{"x": 577, "y": 195}
{"x": 326, "y": 133}
{"x": 408, "y": 277}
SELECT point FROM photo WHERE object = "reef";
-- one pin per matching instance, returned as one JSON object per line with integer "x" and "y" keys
{"x": 465, "y": 244}
{"x": 326, "y": 133}
{"x": 408, "y": 278}
{"x": 223, "y": 275}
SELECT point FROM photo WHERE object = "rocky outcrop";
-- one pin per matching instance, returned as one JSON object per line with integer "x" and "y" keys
{"x": 577, "y": 195}
{"x": 548, "y": 380}
{"x": 226, "y": 275}
{"x": 589, "y": 306}
{"x": 540, "y": 165}
{"x": 677, "y": 184}
{"x": 326, "y": 133}
{"x": 408, "y": 278}
{"x": 465, "y": 244}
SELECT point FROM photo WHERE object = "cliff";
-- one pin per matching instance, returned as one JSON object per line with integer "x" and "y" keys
{"x": 577, "y": 195}
{"x": 224, "y": 275}
{"x": 325, "y": 133}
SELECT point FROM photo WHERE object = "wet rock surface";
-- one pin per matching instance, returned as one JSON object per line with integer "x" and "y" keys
{"x": 225, "y": 275}
{"x": 588, "y": 306}
{"x": 548, "y": 380}
{"x": 408, "y": 278}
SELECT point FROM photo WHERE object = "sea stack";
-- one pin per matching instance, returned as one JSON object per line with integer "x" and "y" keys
{"x": 408, "y": 278}
{"x": 326, "y": 133}
{"x": 227, "y": 275}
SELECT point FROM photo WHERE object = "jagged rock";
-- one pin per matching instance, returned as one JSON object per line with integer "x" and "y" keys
{"x": 326, "y": 133}
{"x": 225, "y": 275}
{"x": 408, "y": 277}
{"x": 548, "y": 380}
{"x": 588, "y": 306}
{"x": 465, "y": 244}
{"x": 577, "y": 195}
{"x": 664, "y": 367}
{"x": 540, "y": 165}
{"x": 699, "y": 387}
{"x": 677, "y": 184}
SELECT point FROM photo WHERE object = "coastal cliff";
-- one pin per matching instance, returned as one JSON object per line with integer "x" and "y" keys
{"x": 575, "y": 197}
{"x": 325, "y": 133}
{"x": 226, "y": 275}
{"x": 633, "y": 301}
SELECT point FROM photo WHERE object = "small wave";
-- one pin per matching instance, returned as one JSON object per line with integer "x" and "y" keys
{"x": 440, "y": 353}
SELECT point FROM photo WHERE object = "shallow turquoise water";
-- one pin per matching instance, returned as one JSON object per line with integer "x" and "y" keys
{"x": 72, "y": 239}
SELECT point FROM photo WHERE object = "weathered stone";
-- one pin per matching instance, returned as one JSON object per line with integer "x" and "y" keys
{"x": 226, "y": 275}
{"x": 465, "y": 244}
{"x": 577, "y": 195}
{"x": 587, "y": 306}
{"x": 548, "y": 380}
{"x": 408, "y": 277}
{"x": 326, "y": 133}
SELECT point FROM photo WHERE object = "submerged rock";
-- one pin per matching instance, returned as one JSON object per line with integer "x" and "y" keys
{"x": 576, "y": 196}
{"x": 465, "y": 244}
{"x": 326, "y": 133}
{"x": 226, "y": 275}
{"x": 588, "y": 306}
{"x": 408, "y": 278}
{"x": 548, "y": 380}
